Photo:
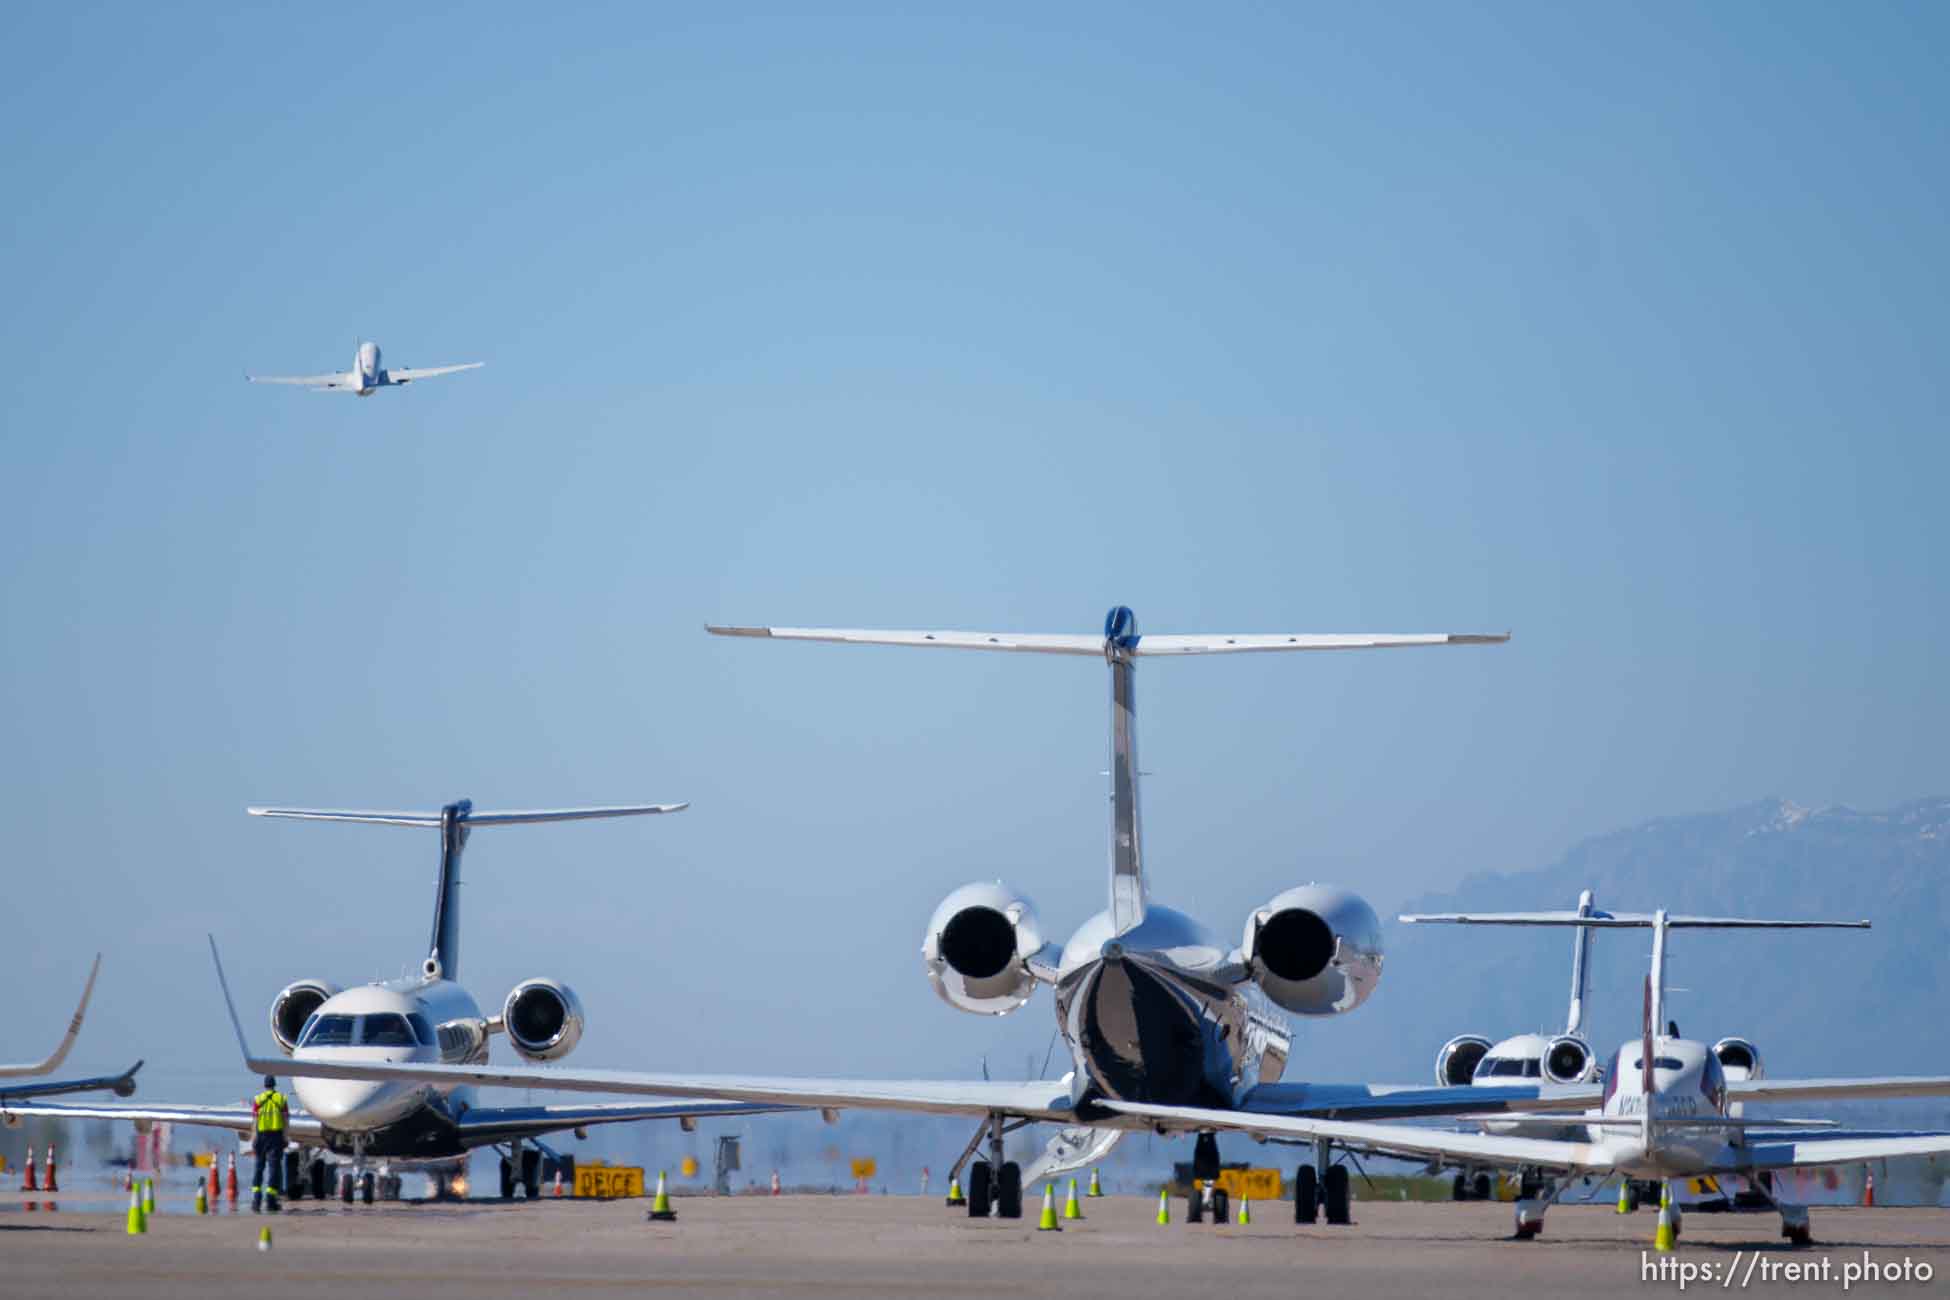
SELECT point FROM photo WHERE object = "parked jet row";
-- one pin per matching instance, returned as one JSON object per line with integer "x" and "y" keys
{"x": 122, "y": 1085}
{"x": 1173, "y": 1031}
{"x": 378, "y": 1129}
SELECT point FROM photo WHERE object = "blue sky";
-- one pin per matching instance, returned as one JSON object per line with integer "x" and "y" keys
{"x": 1619, "y": 328}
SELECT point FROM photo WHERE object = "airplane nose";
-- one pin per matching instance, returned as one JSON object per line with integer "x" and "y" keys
{"x": 333, "y": 1100}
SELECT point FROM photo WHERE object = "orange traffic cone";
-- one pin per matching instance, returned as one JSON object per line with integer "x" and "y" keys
{"x": 558, "y": 1184}
{"x": 216, "y": 1187}
{"x": 1868, "y": 1185}
{"x": 230, "y": 1180}
{"x": 53, "y": 1178}
{"x": 28, "y": 1181}
{"x": 775, "y": 1183}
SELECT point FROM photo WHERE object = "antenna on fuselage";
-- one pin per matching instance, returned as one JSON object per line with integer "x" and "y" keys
{"x": 1120, "y": 645}
{"x": 454, "y": 821}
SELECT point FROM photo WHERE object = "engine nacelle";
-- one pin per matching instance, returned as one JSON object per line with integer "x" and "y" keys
{"x": 1456, "y": 1062}
{"x": 293, "y": 1006}
{"x": 1315, "y": 950}
{"x": 543, "y": 1019}
{"x": 977, "y": 948}
{"x": 1739, "y": 1060}
{"x": 1567, "y": 1059}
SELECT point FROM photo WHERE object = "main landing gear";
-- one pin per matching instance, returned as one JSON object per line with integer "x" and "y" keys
{"x": 994, "y": 1185}
{"x": 521, "y": 1166}
{"x": 1322, "y": 1187}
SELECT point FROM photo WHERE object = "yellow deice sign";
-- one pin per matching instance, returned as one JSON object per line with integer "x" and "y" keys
{"x": 1253, "y": 1184}
{"x": 606, "y": 1182}
{"x": 864, "y": 1167}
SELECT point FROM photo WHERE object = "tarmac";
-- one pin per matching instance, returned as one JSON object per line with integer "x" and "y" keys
{"x": 761, "y": 1246}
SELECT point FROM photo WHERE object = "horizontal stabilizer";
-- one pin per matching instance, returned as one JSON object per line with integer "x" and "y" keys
{"x": 470, "y": 817}
{"x": 1064, "y": 643}
{"x": 1621, "y": 921}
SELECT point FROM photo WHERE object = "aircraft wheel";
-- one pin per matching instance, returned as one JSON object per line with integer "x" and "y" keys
{"x": 1336, "y": 1195}
{"x": 345, "y": 1186}
{"x": 979, "y": 1190}
{"x": 320, "y": 1177}
{"x": 1195, "y": 1206}
{"x": 1459, "y": 1190}
{"x": 1008, "y": 1192}
{"x": 368, "y": 1187}
{"x": 531, "y": 1174}
{"x": 1221, "y": 1206}
{"x": 1306, "y": 1194}
{"x": 507, "y": 1179}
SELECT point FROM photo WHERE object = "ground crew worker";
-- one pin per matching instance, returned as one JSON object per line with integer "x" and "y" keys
{"x": 272, "y": 1111}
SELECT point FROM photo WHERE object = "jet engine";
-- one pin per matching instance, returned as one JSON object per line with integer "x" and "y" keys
{"x": 543, "y": 1019}
{"x": 1739, "y": 1060}
{"x": 1567, "y": 1059}
{"x": 977, "y": 948}
{"x": 1455, "y": 1064}
{"x": 1315, "y": 950}
{"x": 293, "y": 1007}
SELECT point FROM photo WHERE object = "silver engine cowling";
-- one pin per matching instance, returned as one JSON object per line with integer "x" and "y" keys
{"x": 977, "y": 948}
{"x": 543, "y": 1019}
{"x": 1456, "y": 1062}
{"x": 1739, "y": 1060}
{"x": 1567, "y": 1059}
{"x": 1315, "y": 950}
{"x": 293, "y": 1006}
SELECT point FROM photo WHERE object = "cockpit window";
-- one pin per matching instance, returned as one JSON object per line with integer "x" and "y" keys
{"x": 384, "y": 1030}
{"x": 329, "y": 1031}
{"x": 422, "y": 1029}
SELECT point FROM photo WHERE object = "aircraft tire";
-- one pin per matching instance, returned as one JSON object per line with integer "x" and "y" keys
{"x": 368, "y": 1187}
{"x": 1306, "y": 1195}
{"x": 1335, "y": 1194}
{"x": 507, "y": 1179}
{"x": 979, "y": 1190}
{"x": 531, "y": 1174}
{"x": 1008, "y": 1192}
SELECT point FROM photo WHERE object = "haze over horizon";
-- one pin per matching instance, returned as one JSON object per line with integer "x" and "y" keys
{"x": 1274, "y": 322}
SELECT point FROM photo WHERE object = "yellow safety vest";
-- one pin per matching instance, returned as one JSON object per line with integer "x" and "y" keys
{"x": 271, "y": 1111}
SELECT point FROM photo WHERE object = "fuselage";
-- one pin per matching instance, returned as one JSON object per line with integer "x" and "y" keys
{"x": 1687, "y": 1084}
{"x": 1162, "y": 1014}
{"x": 415, "y": 1020}
{"x": 367, "y": 373}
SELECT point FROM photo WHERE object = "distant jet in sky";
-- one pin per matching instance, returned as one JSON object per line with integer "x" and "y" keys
{"x": 365, "y": 378}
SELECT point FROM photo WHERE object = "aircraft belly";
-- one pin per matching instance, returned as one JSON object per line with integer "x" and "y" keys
{"x": 426, "y": 1133}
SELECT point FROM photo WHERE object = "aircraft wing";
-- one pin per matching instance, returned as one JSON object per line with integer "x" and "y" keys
{"x": 1823, "y": 1150}
{"x": 122, "y": 1085}
{"x": 1397, "y": 1101}
{"x": 323, "y": 383}
{"x": 238, "y": 1119}
{"x": 1384, "y": 1139}
{"x": 48, "y": 1065}
{"x": 1218, "y": 644}
{"x": 488, "y": 1124}
{"x": 1919, "y": 1085}
{"x": 428, "y": 372}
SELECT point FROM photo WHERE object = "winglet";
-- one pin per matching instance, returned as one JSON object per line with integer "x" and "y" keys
{"x": 53, "y": 1063}
{"x": 230, "y": 1005}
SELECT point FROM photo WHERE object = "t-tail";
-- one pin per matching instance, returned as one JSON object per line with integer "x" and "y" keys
{"x": 1121, "y": 646}
{"x": 1580, "y": 966}
{"x": 454, "y": 822}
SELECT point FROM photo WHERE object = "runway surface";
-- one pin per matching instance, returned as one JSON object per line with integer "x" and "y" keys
{"x": 903, "y": 1246}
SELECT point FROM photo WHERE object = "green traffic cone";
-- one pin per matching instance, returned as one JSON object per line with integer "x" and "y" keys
{"x": 1625, "y": 1197}
{"x": 1095, "y": 1190}
{"x": 1164, "y": 1207}
{"x": 264, "y": 1237}
{"x": 954, "y": 1192}
{"x": 660, "y": 1210}
{"x": 1048, "y": 1223}
{"x": 138, "y": 1221}
{"x": 1245, "y": 1212}
{"x": 148, "y": 1197}
{"x": 1071, "y": 1210}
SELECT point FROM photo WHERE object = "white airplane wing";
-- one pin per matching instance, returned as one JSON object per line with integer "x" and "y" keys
{"x": 1918, "y": 1085}
{"x": 428, "y": 372}
{"x": 47, "y": 1065}
{"x": 323, "y": 383}
{"x": 488, "y": 1124}
{"x": 1387, "y": 1139}
{"x": 1821, "y": 1150}
{"x": 1072, "y": 644}
{"x": 238, "y": 1119}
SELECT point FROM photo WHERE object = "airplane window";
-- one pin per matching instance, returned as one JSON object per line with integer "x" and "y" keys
{"x": 329, "y": 1031}
{"x": 384, "y": 1031}
{"x": 310, "y": 1020}
{"x": 1533, "y": 1069}
{"x": 422, "y": 1030}
{"x": 1659, "y": 1063}
{"x": 1505, "y": 1067}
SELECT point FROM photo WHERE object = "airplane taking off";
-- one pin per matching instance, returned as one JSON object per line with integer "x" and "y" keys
{"x": 1152, "y": 1006}
{"x": 1667, "y": 1108}
{"x": 428, "y": 1017}
{"x": 366, "y": 377}
{"x": 122, "y": 1085}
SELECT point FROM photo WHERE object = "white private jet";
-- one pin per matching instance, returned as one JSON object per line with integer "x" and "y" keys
{"x": 1153, "y": 1007}
{"x": 367, "y": 376}
{"x": 1667, "y": 1110}
{"x": 122, "y": 1085}
{"x": 380, "y": 1128}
